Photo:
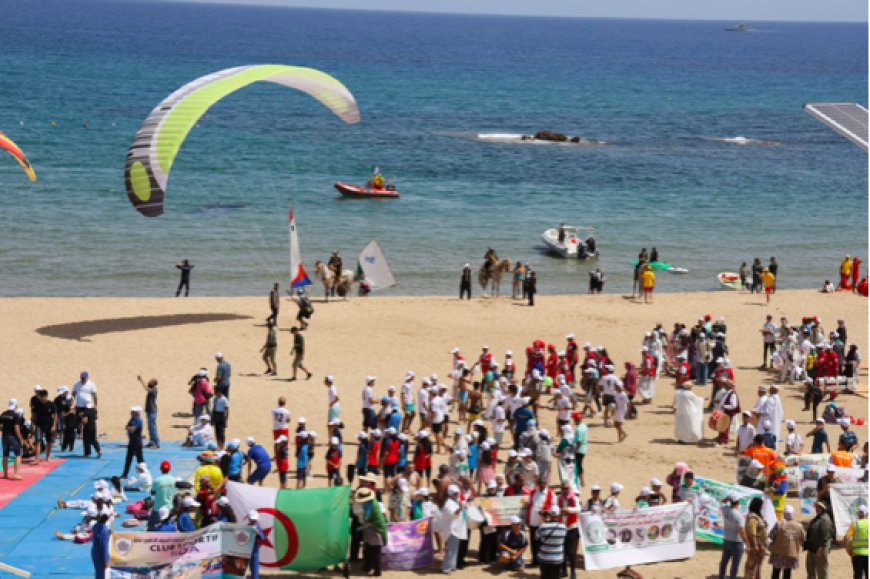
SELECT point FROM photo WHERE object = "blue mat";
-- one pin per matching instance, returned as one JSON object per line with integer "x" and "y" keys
{"x": 28, "y": 522}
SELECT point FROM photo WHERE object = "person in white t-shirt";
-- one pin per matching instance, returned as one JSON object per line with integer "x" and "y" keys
{"x": 499, "y": 422}
{"x": 453, "y": 527}
{"x": 621, "y": 402}
{"x": 370, "y": 417}
{"x": 334, "y": 410}
{"x": 423, "y": 404}
{"x": 438, "y": 408}
{"x": 406, "y": 394}
{"x": 85, "y": 393}
{"x": 608, "y": 385}
{"x": 745, "y": 432}
{"x": 794, "y": 442}
{"x": 280, "y": 419}
{"x": 564, "y": 405}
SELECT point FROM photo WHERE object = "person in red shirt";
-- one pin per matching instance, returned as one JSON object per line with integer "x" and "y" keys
{"x": 572, "y": 352}
{"x": 457, "y": 357}
{"x": 423, "y": 456}
{"x": 565, "y": 368}
{"x": 552, "y": 362}
{"x": 856, "y": 269}
{"x": 722, "y": 377}
{"x": 375, "y": 452}
{"x": 333, "y": 463}
{"x": 206, "y": 499}
{"x": 684, "y": 373}
{"x": 485, "y": 360}
{"x": 590, "y": 356}
{"x": 647, "y": 375}
{"x": 389, "y": 453}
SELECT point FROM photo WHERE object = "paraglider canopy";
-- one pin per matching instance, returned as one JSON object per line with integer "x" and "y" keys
{"x": 161, "y": 135}
{"x": 10, "y": 146}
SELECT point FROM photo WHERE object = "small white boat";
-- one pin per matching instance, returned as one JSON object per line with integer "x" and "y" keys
{"x": 575, "y": 241}
{"x": 729, "y": 280}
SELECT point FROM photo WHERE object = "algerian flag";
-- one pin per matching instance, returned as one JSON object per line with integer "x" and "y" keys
{"x": 305, "y": 529}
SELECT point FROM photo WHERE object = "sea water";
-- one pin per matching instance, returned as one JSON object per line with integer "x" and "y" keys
{"x": 706, "y": 152}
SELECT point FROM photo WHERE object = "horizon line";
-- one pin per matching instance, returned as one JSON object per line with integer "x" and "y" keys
{"x": 279, "y": 4}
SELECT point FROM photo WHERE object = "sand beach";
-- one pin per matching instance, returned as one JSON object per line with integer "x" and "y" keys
{"x": 49, "y": 341}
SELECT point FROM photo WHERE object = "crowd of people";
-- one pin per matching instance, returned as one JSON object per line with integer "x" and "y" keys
{"x": 430, "y": 447}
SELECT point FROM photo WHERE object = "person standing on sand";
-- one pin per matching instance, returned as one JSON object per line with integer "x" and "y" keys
{"x": 305, "y": 308}
{"x": 745, "y": 279}
{"x": 531, "y": 287}
{"x": 648, "y": 282}
{"x": 768, "y": 333}
{"x": 768, "y": 280}
{"x": 85, "y": 393}
{"x": 845, "y": 273}
{"x": 638, "y": 270}
{"x": 335, "y": 266}
{"x": 298, "y": 352}
{"x": 465, "y": 282}
{"x": 856, "y": 273}
{"x": 517, "y": 283}
{"x": 185, "y": 267}
{"x": 268, "y": 350}
{"x": 151, "y": 410}
{"x": 757, "y": 270}
{"x": 222, "y": 374}
{"x": 274, "y": 304}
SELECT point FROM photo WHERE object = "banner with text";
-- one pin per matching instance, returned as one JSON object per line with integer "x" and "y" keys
{"x": 499, "y": 510}
{"x": 218, "y": 551}
{"x": 648, "y": 535}
{"x": 845, "y": 500}
{"x": 409, "y": 546}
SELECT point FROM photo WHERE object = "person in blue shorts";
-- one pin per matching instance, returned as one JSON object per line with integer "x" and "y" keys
{"x": 302, "y": 460}
{"x": 259, "y": 457}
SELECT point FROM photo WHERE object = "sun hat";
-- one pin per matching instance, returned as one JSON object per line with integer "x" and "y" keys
{"x": 364, "y": 495}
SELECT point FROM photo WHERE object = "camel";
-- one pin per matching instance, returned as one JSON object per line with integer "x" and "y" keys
{"x": 493, "y": 276}
{"x": 327, "y": 278}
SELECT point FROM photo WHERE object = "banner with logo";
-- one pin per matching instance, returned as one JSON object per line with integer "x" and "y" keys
{"x": 500, "y": 509}
{"x": 845, "y": 500}
{"x": 809, "y": 479}
{"x": 305, "y": 529}
{"x": 648, "y": 535}
{"x": 708, "y": 496}
{"x": 219, "y": 551}
{"x": 409, "y": 546}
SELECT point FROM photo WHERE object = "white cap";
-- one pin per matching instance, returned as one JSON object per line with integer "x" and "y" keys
{"x": 789, "y": 510}
{"x": 390, "y": 430}
{"x": 554, "y": 509}
{"x": 512, "y": 453}
{"x": 223, "y": 501}
{"x": 312, "y": 434}
{"x": 756, "y": 463}
{"x": 142, "y": 465}
{"x": 595, "y": 487}
{"x": 543, "y": 432}
{"x": 682, "y": 355}
{"x": 570, "y": 336}
{"x": 370, "y": 379}
{"x": 767, "y": 424}
{"x": 423, "y": 491}
{"x": 402, "y": 436}
{"x": 281, "y": 439}
{"x": 251, "y": 441}
{"x": 515, "y": 520}
{"x": 329, "y": 378}
{"x": 334, "y": 440}
{"x": 844, "y": 422}
{"x": 218, "y": 355}
{"x": 135, "y": 409}
{"x": 720, "y": 360}
{"x": 189, "y": 502}
{"x": 862, "y": 509}
{"x": 301, "y": 420}
{"x": 12, "y": 404}
{"x": 831, "y": 468}
{"x": 253, "y": 516}
{"x": 566, "y": 428}
{"x": 377, "y": 432}
{"x": 789, "y": 423}
{"x": 655, "y": 482}
{"x": 202, "y": 372}
{"x": 526, "y": 452}
{"x": 645, "y": 492}
{"x": 820, "y": 420}
{"x": 434, "y": 376}
{"x": 391, "y": 389}
{"x": 409, "y": 374}
{"x": 508, "y": 354}
{"x": 586, "y": 345}
{"x": 452, "y": 490}
{"x": 615, "y": 487}
{"x": 37, "y": 388}
{"x": 484, "y": 347}
{"x": 334, "y": 422}
{"x": 234, "y": 443}
{"x": 362, "y": 435}
{"x": 455, "y": 350}
{"x": 484, "y": 446}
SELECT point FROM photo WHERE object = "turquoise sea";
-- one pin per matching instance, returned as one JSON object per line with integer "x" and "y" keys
{"x": 665, "y": 96}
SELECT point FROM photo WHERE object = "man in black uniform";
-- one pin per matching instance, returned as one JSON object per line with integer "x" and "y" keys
{"x": 10, "y": 426}
{"x": 66, "y": 419}
{"x": 45, "y": 420}
{"x": 185, "y": 267}
{"x": 465, "y": 281}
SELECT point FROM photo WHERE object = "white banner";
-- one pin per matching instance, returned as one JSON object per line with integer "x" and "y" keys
{"x": 809, "y": 479}
{"x": 640, "y": 536}
{"x": 845, "y": 500}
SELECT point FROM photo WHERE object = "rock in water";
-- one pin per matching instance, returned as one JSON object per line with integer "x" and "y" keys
{"x": 551, "y": 136}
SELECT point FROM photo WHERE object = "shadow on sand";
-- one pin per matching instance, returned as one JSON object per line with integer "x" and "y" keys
{"x": 82, "y": 330}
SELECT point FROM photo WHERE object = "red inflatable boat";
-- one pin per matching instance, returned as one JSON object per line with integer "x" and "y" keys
{"x": 369, "y": 190}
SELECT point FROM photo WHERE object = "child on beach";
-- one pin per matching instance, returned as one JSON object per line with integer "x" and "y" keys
{"x": 333, "y": 463}
{"x": 282, "y": 459}
{"x": 302, "y": 461}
